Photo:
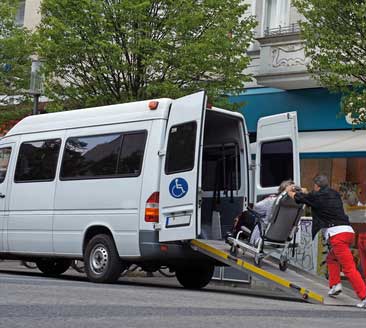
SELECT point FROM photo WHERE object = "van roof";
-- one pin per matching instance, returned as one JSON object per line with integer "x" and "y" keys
{"x": 103, "y": 115}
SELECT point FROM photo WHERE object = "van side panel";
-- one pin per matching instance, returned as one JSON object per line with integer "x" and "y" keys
{"x": 151, "y": 183}
{"x": 113, "y": 202}
{"x": 29, "y": 227}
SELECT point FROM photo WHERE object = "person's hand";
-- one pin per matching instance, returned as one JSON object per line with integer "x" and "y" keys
{"x": 304, "y": 190}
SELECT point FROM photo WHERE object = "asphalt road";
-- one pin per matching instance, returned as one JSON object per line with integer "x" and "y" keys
{"x": 29, "y": 299}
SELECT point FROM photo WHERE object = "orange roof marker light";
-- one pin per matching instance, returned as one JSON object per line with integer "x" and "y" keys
{"x": 153, "y": 105}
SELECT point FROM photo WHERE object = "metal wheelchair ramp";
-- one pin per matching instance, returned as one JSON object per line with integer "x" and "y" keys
{"x": 301, "y": 284}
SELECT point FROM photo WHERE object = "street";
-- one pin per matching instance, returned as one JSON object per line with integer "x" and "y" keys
{"x": 29, "y": 299}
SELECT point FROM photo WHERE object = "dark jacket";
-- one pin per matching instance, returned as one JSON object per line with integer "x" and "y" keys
{"x": 326, "y": 207}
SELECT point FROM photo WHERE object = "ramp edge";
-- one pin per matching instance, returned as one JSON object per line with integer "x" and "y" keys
{"x": 240, "y": 264}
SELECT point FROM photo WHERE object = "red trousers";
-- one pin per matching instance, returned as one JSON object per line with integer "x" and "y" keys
{"x": 340, "y": 256}
{"x": 362, "y": 251}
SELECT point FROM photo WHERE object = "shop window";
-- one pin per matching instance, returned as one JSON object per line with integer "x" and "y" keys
{"x": 181, "y": 148}
{"x": 347, "y": 176}
{"x": 276, "y": 162}
{"x": 37, "y": 161}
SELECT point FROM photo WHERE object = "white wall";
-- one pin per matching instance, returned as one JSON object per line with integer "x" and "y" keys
{"x": 32, "y": 16}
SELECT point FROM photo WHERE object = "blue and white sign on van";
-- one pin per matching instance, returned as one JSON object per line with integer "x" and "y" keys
{"x": 178, "y": 188}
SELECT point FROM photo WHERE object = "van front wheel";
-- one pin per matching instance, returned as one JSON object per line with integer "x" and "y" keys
{"x": 195, "y": 277}
{"x": 102, "y": 262}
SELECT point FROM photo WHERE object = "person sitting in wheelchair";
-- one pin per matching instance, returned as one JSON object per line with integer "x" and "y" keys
{"x": 251, "y": 221}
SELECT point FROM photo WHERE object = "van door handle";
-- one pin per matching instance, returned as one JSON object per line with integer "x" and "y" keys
{"x": 2, "y": 195}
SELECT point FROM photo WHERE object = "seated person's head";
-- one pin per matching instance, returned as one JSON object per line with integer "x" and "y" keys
{"x": 284, "y": 185}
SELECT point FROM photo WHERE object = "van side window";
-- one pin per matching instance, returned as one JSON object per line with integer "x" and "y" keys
{"x": 276, "y": 162}
{"x": 90, "y": 157}
{"x": 4, "y": 162}
{"x": 37, "y": 161}
{"x": 132, "y": 153}
{"x": 181, "y": 148}
{"x": 103, "y": 156}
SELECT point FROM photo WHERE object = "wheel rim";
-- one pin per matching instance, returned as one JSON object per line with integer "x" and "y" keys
{"x": 99, "y": 259}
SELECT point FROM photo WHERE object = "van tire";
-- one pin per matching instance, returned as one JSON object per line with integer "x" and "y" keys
{"x": 53, "y": 267}
{"x": 195, "y": 277}
{"x": 101, "y": 259}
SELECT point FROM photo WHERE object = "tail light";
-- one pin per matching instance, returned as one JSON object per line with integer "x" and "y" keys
{"x": 152, "y": 208}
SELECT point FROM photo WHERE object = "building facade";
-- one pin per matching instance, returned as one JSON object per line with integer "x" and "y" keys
{"x": 28, "y": 14}
{"x": 281, "y": 83}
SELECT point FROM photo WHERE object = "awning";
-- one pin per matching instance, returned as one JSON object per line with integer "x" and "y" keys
{"x": 332, "y": 141}
{"x": 322, "y": 142}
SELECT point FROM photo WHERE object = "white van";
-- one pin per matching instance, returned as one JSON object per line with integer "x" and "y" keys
{"x": 133, "y": 184}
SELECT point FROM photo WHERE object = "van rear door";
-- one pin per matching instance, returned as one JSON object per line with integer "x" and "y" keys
{"x": 180, "y": 181}
{"x": 277, "y": 153}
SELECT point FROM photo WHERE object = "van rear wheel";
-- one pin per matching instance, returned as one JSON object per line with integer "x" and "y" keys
{"x": 102, "y": 262}
{"x": 53, "y": 267}
{"x": 195, "y": 277}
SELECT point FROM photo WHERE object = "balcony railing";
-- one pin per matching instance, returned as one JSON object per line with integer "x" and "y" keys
{"x": 282, "y": 30}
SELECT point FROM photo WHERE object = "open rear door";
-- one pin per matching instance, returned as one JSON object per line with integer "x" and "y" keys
{"x": 277, "y": 155}
{"x": 180, "y": 181}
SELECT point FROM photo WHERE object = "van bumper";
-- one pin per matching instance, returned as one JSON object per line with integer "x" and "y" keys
{"x": 152, "y": 249}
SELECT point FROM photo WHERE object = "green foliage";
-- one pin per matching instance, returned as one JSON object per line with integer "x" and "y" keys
{"x": 15, "y": 51}
{"x": 11, "y": 112}
{"x": 335, "y": 34}
{"x": 110, "y": 51}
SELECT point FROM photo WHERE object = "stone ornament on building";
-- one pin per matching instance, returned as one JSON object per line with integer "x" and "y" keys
{"x": 288, "y": 56}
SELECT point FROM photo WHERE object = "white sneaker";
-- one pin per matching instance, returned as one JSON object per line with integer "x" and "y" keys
{"x": 362, "y": 304}
{"x": 335, "y": 290}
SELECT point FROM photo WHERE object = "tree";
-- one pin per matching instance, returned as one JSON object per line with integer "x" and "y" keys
{"x": 110, "y": 51}
{"x": 335, "y": 35}
{"x": 15, "y": 52}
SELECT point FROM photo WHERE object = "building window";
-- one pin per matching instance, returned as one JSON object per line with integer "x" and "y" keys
{"x": 4, "y": 162}
{"x": 276, "y": 14}
{"x": 37, "y": 161}
{"x": 19, "y": 18}
{"x": 181, "y": 148}
{"x": 276, "y": 163}
{"x": 103, "y": 156}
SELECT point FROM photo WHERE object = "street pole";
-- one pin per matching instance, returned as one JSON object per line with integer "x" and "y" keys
{"x": 35, "y": 104}
{"x": 36, "y": 83}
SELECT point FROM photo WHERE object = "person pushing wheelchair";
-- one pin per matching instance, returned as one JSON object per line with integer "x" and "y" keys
{"x": 329, "y": 216}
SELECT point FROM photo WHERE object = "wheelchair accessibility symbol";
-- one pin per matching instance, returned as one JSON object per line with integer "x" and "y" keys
{"x": 178, "y": 188}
